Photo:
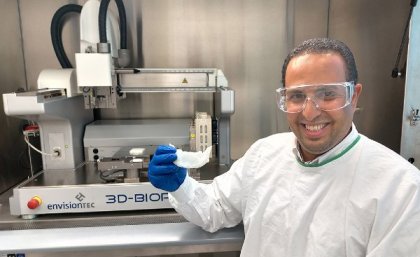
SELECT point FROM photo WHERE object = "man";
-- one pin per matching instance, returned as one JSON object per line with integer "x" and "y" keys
{"x": 323, "y": 190}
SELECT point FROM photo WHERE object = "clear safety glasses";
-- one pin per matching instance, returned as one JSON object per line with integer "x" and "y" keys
{"x": 325, "y": 97}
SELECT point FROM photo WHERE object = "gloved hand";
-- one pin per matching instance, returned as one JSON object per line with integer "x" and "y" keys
{"x": 163, "y": 173}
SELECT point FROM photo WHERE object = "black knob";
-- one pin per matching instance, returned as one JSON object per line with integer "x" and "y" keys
{"x": 95, "y": 157}
{"x": 411, "y": 160}
{"x": 95, "y": 150}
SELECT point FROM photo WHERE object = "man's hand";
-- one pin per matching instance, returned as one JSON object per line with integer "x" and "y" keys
{"x": 163, "y": 173}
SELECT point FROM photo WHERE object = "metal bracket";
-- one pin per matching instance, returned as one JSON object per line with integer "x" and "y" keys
{"x": 414, "y": 117}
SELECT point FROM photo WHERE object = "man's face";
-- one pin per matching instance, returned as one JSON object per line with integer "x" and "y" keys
{"x": 318, "y": 131}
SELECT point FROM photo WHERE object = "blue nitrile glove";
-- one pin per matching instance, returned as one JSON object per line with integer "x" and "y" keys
{"x": 163, "y": 173}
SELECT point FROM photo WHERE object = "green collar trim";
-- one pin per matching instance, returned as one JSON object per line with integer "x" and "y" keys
{"x": 332, "y": 158}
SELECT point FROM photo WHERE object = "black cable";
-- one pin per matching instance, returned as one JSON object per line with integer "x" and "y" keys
{"x": 103, "y": 9}
{"x": 123, "y": 23}
{"x": 109, "y": 176}
{"x": 396, "y": 72}
{"x": 56, "y": 29}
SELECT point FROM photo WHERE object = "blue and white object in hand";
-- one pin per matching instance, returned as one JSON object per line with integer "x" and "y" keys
{"x": 163, "y": 173}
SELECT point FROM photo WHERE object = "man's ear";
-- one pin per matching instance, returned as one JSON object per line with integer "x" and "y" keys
{"x": 356, "y": 94}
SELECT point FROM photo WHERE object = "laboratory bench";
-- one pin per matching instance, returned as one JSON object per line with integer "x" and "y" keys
{"x": 129, "y": 233}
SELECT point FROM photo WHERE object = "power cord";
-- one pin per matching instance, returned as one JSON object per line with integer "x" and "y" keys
{"x": 33, "y": 129}
{"x": 54, "y": 154}
{"x": 396, "y": 72}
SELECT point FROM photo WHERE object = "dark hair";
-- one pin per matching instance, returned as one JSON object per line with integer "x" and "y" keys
{"x": 322, "y": 46}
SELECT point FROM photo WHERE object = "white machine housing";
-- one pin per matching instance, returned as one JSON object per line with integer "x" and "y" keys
{"x": 60, "y": 119}
{"x": 70, "y": 182}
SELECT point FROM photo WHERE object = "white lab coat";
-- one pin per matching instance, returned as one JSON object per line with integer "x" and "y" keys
{"x": 364, "y": 203}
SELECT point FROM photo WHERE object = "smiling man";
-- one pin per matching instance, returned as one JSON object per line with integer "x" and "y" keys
{"x": 322, "y": 189}
{"x": 315, "y": 65}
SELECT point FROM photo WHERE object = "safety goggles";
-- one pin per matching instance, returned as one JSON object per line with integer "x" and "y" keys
{"x": 325, "y": 97}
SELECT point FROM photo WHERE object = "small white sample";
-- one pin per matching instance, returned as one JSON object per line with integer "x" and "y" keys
{"x": 136, "y": 151}
{"x": 192, "y": 160}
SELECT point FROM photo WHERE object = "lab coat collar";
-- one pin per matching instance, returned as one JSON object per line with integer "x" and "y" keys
{"x": 331, "y": 153}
